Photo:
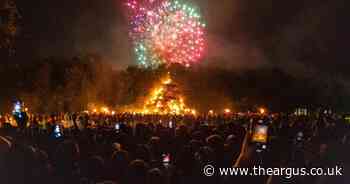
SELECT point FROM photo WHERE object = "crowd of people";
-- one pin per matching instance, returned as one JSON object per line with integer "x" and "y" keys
{"x": 165, "y": 149}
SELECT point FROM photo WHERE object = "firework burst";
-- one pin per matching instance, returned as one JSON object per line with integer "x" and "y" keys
{"x": 166, "y": 32}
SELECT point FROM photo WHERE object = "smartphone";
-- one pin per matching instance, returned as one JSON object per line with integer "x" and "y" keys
{"x": 300, "y": 136}
{"x": 17, "y": 107}
{"x": 57, "y": 131}
{"x": 171, "y": 124}
{"x": 117, "y": 127}
{"x": 166, "y": 159}
{"x": 260, "y": 134}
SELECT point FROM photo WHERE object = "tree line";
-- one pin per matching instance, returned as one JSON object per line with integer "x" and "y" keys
{"x": 56, "y": 84}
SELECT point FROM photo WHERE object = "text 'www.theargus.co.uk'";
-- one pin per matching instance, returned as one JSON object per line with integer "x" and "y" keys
{"x": 288, "y": 173}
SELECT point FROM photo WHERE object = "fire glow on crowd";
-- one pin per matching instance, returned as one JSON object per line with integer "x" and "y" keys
{"x": 166, "y": 32}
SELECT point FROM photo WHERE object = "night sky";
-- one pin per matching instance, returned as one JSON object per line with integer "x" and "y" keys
{"x": 299, "y": 36}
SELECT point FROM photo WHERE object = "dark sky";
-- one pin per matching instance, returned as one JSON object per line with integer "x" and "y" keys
{"x": 296, "y": 35}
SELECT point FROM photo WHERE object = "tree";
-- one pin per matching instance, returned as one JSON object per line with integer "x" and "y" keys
{"x": 9, "y": 17}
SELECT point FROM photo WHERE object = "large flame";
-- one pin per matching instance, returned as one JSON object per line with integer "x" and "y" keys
{"x": 165, "y": 99}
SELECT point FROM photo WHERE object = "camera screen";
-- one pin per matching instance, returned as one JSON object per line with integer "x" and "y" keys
{"x": 166, "y": 159}
{"x": 260, "y": 134}
{"x": 117, "y": 126}
{"x": 57, "y": 131}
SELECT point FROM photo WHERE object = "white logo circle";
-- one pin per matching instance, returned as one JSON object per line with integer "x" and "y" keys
{"x": 209, "y": 170}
